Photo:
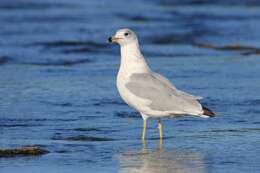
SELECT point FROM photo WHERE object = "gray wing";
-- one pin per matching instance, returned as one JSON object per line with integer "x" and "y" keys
{"x": 163, "y": 95}
{"x": 168, "y": 83}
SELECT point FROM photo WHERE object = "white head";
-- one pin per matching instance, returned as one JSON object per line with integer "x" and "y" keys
{"x": 123, "y": 37}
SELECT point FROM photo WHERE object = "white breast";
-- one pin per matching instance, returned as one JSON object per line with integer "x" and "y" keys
{"x": 132, "y": 61}
{"x": 131, "y": 99}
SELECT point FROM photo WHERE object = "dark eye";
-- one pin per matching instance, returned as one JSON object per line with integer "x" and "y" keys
{"x": 126, "y": 34}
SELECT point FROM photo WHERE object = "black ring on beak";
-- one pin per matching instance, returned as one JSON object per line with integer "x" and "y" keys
{"x": 109, "y": 40}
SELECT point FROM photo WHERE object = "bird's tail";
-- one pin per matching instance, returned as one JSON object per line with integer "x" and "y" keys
{"x": 207, "y": 112}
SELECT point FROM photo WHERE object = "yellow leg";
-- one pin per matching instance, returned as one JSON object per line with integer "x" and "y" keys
{"x": 160, "y": 128}
{"x": 144, "y": 129}
{"x": 160, "y": 144}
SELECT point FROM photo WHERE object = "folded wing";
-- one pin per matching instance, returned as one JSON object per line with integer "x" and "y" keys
{"x": 163, "y": 96}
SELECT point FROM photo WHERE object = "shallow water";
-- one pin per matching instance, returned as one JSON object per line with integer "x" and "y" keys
{"x": 57, "y": 85}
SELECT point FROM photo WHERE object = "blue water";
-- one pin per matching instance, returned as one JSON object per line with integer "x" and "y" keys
{"x": 57, "y": 85}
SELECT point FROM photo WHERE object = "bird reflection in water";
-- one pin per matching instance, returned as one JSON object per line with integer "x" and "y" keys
{"x": 160, "y": 160}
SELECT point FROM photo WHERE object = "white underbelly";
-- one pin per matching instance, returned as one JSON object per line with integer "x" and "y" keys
{"x": 128, "y": 97}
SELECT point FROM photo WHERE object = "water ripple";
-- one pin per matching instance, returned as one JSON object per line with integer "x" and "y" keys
{"x": 83, "y": 138}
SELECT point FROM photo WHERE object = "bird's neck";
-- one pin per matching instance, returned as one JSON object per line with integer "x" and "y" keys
{"x": 132, "y": 60}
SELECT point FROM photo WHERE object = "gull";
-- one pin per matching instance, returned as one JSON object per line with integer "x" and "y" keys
{"x": 148, "y": 92}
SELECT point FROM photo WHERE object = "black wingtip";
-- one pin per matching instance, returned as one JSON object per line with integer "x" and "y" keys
{"x": 208, "y": 112}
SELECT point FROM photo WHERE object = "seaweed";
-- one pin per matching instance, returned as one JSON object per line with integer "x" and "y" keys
{"x": 244, "y": 50}
{"x": 23, "y": 151}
